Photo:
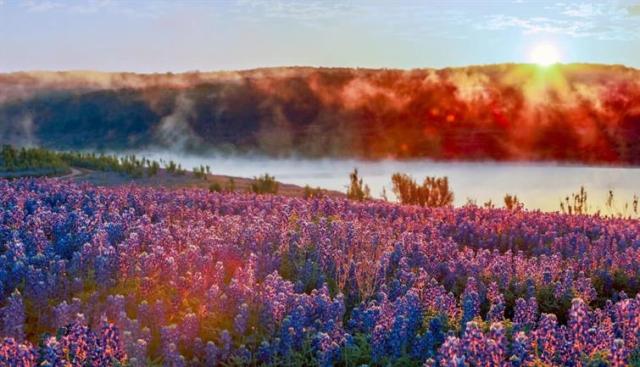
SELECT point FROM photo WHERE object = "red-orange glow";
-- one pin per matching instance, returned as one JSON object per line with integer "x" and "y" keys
{"x": 586, "y": 113}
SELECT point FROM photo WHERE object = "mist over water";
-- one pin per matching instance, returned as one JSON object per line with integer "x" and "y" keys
{"x": 538, "y": 185}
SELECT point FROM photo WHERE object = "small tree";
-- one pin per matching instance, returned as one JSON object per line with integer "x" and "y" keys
{"x": 264, "y": 184}
{"x": 200, "y": 172}
{"x": 153, "y": 169}
{"x": 171, "y": 167}
{"x": 357, "y": 190}
{"x": 8, "y": 157}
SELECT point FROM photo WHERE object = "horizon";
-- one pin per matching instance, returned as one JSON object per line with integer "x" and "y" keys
{"x": 276, "y": 67}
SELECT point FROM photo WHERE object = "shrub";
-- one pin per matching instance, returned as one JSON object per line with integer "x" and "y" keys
{"x": 215, "y": 187}
{"x": 230, "y": 185}
{"x": 174, "y": 168}
{"x": 310, "y": 192}
{"x": 264, "y": 184}
{"x": 357, "y": 190}
{"x": 434, "y": 191}
{"x": 201, "y": 172}
{"x": 634, "y": 358}
{"x": 576, "y": 203}
{"x": 511, "y": 202}
{"x": 153, "y": 169}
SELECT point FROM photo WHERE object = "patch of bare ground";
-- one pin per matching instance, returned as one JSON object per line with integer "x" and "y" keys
{"x": 177, "y": 181}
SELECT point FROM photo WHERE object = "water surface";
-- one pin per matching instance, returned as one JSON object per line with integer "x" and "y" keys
{"x": 538, "y": 185}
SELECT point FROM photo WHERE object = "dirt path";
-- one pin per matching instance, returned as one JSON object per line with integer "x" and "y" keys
{"x": 74, "y": 173}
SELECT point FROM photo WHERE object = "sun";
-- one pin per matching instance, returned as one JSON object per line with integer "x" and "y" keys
{"x": 544, "y": 54}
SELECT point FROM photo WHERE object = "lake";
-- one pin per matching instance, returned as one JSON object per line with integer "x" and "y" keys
{"x": 538, "y": 185}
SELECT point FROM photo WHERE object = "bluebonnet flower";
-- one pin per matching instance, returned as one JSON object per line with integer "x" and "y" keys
{"x": 13, "y": 317}
{"x": 470, "y": 307}
{"x": 386, "y": 272}
{"x": 241, "y": 319}
{"x": 265, "y": 352}
{"x": 189, "y": 327}
{"x": 227, "y": 345}
{"x": 13, "y": 353}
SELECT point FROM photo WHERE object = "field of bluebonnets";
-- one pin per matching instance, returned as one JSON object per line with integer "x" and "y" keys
{"x": 139, "y": 276}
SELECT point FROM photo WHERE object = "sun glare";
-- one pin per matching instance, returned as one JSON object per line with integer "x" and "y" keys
{"x": 544, "y": 54}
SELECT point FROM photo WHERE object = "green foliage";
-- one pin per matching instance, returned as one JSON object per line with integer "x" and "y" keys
{"x": 13, "y": 160}
{"x": 305, "y": 259}
{"x": 129, "y": 165}
{"x": 174, "y": 168}
{"x": 171, "y": 167}
{"x": 201, "y": 172}
{"x": 358, "y": 353}
{"x": 310, "y": 192}
{"x": 215, "y": 187}
{"x": 357, "y": 190}
{"x": 39, "y": 161}
{"x": 153, "y": 168}
{"x": 634, "y": 358}
{"x": 231, "y": 185}
{"x": 434, "y": 191}
{"x": 548, "y": 303}
{"x": 597, "y": 359}
{"x": 264, "y": 184}
{"x": 608, "y": 284}
{"x": 304, "y": 357}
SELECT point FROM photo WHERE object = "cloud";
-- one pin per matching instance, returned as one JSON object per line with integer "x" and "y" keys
{"x": 131, "y": 9}
{"x": 174, "y": 130}
{"x": 582, "y": 10}
{"x": 19, "y": 131}
{"x": 408, "y": 20}
{"x": 93, "y": 6}
{"x": 289, "y": 9}
{"x": 603, "y": 21}
{"x": 42, "y": 5}
{"x": 531, "y": 25}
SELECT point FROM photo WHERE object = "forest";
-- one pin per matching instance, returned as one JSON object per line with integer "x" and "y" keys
{"x": 569, "y": 113}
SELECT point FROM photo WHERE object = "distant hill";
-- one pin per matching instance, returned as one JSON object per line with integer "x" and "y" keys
{"x": 570, "y": 113}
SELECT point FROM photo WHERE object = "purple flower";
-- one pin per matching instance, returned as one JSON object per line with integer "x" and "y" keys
{"x": 13, "y": 317}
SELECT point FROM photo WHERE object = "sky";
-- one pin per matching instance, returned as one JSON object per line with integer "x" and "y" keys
{"x": 188, "y": 35}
